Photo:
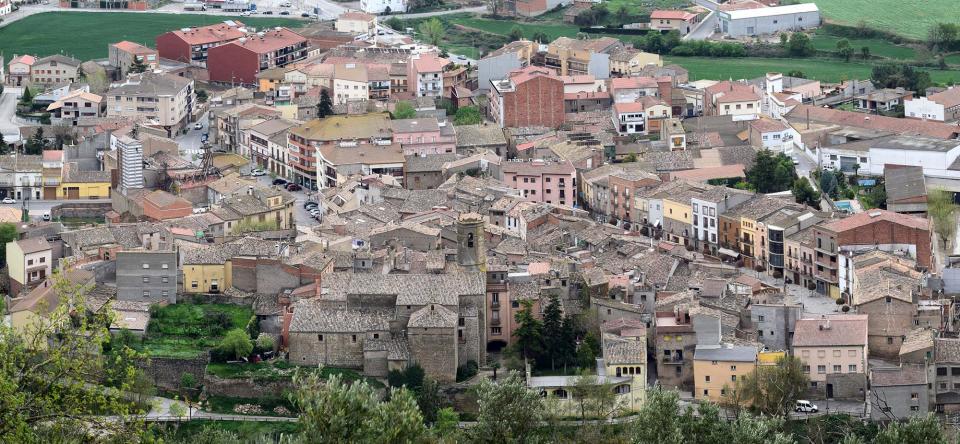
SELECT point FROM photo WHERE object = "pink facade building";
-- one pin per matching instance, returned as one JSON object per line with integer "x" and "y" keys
{"x": 543, "y": 181}
{"x": 425, "y": 75}
{"x": 424, "y": 136}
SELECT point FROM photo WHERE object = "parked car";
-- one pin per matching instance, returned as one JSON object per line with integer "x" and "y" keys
{"x": 293, "y": 187}
{"x": 267, "y": 12}
{"x": 309, "y": 204}
{"x": 805, "y": 406}
{"x": 305, "y": 15}
{"x": 198, "y": 126}
{"x": 279, "y": 181}
{"x": 284, "y": 12}
{"x": 258, "y": 172}
{"x": 8, "y": 200}
{"x": 46, "y": 217}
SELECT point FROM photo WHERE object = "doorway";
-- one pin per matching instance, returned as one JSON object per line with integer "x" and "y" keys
{"x": 829, "y": 391}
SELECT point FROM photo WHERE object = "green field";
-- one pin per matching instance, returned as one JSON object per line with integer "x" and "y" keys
{"x": 882, "y": 48}
{"x": 503, "y": 27}
{"x": 910, "y": 18}
{"x": 85, "y": 35}
{"x": 819, "y": 69}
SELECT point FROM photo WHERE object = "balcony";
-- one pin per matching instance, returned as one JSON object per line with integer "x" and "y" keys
{"x": 494, "y": 304}
{"x": 495, "y": 321}
{"x": 673, "y": 360}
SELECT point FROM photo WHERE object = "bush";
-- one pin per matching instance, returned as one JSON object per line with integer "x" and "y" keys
{"x": 845, "y": 308}
{"x": 264, "y": 343}
{"x": 777, "y": 274}
{"x": 188, "y": 381}
{"x": 235, "y": 345}
{"x": 467, "y": 371}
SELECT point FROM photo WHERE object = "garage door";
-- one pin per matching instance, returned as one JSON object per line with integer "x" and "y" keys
{"x": 50, "y": 193}
{"x": 73, "y": 193}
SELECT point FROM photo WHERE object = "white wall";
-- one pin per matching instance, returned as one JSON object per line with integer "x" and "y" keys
{"x": 923, "y": 108}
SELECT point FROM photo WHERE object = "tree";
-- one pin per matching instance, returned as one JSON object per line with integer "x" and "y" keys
{"x": 844, "y": 49}
{"x": 202, "y": 96}
{"x": 865, "y": 52}
{"x": 178, "y": 410}
{"x": 325, "y": 105}
{"x": 828, "y": 183}
{"x": 446, "y": 428}
{"x": 941, "y": 208}
{"x": 804, "y": 193}
{"x": 630, "y": 158}
{"x": 926, "y": 430}
{"x": 529, "y": 332}
{"x": 784, "y": 40}
{"x": 27, "y": 96}
{"x": 540, "y": 37}
{"x": 236, "y": 343}
{"x": 508, "y": 411}
{"x": 895, "y": 75}
{"x": 659, "y": 420}
{"x": 52, "y": 390}
{"x": 4, "y": 148}
{"x": 594, "y": 399}
{"x": 552, "y": 330}
{"x": 800, "y": 45}
{"x": 137, "y": 66}
{"x": 773, "y": 389}
{"x": 8, "y": 233}
{"x": 429, "y": 400}
{"x": 387, "y": 10}
{"x": 187, "y": 381}
{"x": 37, "y": 143}
{"x": 771, "y": 173}
{"x": 334, "y": 411}
{"x": 623, "y": 14}
{"x": 432, "y": 31}
{"x": 467, "y": 115}
{"x": 796, "y": 73}
{"x": 395, "y": 24}
{"x": 515, "y": 34}
{"x": 404, "y": 110}
{"x": 878, "y": 196}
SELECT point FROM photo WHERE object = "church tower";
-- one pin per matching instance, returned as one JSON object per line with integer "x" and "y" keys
{"x": 471, "y": 253}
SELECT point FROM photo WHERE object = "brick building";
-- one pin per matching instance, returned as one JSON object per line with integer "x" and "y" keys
{"x": 532, "y": 96}
{"x": 874, "y": 229}
{"x": 191, "y": 45}
{"x": 240, "y": 61}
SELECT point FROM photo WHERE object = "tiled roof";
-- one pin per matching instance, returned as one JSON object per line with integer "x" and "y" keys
{"x": 876, "y": 215}
{"x": 410, "y": 289}
{"x": 917, "y": 339}
{"x": 946, "y": 350}
{"x": 33, "y": 245}
{"x": 671, "y": 15}
{"x": 433, "y": 316}
{"x": 948, "y": 98}
{"x": 929, "y": 128}
{"x": 310, "y": 317}
{"x": 831, "y": 331}
{"x": 219, "y": 32}
{"x": 725, "y": 352}
{"x": 624, "y": 351}
{"x": 903, "y": 375}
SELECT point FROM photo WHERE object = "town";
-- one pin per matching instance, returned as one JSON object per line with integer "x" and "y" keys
{"x": 342, "y": 224}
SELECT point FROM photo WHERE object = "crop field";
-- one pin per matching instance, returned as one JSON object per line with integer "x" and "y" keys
{"x": 909, "y": 18}
{"x": 85, "y": 35}
{"x": 882, "y": 48}
{"x": 819, "y": 69}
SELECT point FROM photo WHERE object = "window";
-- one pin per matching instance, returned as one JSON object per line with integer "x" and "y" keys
{"x": 376, "y": 336}
{"x": 146, "y": 279}
{"x": 320, "y": 338}
{"x": 146, "y": 266}
{"x": 941, "y": 371}
{"x": 29, "y": 262}
{"x": 889, "y": 340}
{"x": 733, "y": 368}
{"x": 560, "y": 393}
{"x": 955, "y": 371}
{"x": 914, "y": 395}
{"x": 164, "y": 266}
{"x": 852, "y": 368}
{"x": 353, "y": 338}
{"x": 733, "y": 378}
{"x": 706, "y": 378}
{"x": 806, "y": 369}
{"x": 164, "y": 279}
{"x": 193, "y": 284}
{"x": 146, "y": 293}
{"x": 914, "y": 408}
{"x": 43, "y": 259}
{"x": 706, "y": 392}
{"x": 760, "y": 318}
{"x": 821, "y": 369}
{"x": 836, "y": 353}
{"x": 495, "y": 331}
{"x": 836, "y": 368}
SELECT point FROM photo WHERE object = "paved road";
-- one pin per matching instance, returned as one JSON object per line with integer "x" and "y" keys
{"x": 704, "y": 29}
{"x": 190, "y": 142}
{"x": 8, "y": 108}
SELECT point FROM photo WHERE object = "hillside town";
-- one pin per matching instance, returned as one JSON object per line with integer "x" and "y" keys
{"x": 244, "y": 208}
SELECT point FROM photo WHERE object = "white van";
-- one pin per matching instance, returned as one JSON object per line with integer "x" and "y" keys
{"x": 804, "y": 406}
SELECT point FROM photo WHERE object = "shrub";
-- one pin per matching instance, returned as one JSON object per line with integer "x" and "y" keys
{"x": 188, "y": 381}
{"x": 777, "y": 274}
{"x": 845, "y": 308}
{"x": 264, "y": 343}
{"x": 811, "y": 286}
{"x": 236, "y": 344}
{"x": 467, "y": 371}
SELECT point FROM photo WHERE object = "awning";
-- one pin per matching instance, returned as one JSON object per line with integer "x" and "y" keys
{"x": 727, "y": 252}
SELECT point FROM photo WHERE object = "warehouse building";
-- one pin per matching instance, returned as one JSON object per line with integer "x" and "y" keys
{"x": 759, "y": 21}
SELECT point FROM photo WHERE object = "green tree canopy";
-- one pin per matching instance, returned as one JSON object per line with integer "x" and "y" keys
{"x": 236, "y": 343}
{"x": 325, "y": 105}
{"x": 432, "y": 31}
{"x": 800, "y": 45}
{"x": 467, "y": 115}
{"x": 771, "y": 173}
{"x": 773, "y": 389}
{"x": 509, "y": 411}
{"x": 404, "y": 110}
{"x": 804, "y": 193}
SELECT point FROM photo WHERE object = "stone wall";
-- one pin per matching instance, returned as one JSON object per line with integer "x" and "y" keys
{"x": 246, "y": 387}
{"x": 334, "y": 349}
{"x": 435, "y": 349}
{"x": 218, "y": 298}
{"x": 84, "y": 210}
{"x": 166, "y": 372}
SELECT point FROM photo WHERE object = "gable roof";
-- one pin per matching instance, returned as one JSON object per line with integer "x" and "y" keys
{"x": 876, "y": 215}
{"x": 831, "y": 331}
{"x": 838, "y": 117}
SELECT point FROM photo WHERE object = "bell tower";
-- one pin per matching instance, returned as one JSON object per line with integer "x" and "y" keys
{"x": 471, "y": 253}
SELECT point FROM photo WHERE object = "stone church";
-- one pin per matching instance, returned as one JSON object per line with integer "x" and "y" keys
{"x": 379, "y": 322}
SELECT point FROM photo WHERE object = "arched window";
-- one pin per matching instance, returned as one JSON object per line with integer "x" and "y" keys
{"x": 622, "y": 389}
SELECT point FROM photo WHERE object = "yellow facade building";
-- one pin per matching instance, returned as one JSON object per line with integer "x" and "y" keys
{"x": 716, "y": 369}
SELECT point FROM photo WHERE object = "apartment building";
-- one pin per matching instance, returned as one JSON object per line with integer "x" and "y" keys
{"x": 149, "y": 276}
{"x": 54, "y": 69}
{"x": 834, "y": 352}
{"x": 531, "y": 96}
{"x": 874, "y": 229}
{"x": 305, "y": 141}
{"x": 425, "y": 74}
{"x": 123, "y": 54}
{"x": 707, "y": 207}
{"x": 424, "y": 136}
{"x": 164, "y": 100}
{"x": 239, "y": 61}
{"x": 192, "y": 45}
{"x": 260, "y": 139}
{"x": 552, "y": 182}
{"x": 570, "y": 57}
{"x": 129, "y": 163}
{"x": 675, "y": 344}
{"x": 29, "y": 262}
{"x": 716, "y": 369}
{"x": 728, "y": 98}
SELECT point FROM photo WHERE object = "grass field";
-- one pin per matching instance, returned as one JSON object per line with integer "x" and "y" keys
{"x": 882, "y": 48}
{"x": 85, "y": 35}
{"x": 186, "y": 330}
{"x": 503, "y": 27}
{"x": 819, "y": 69}
{"x": 910, "y": 18}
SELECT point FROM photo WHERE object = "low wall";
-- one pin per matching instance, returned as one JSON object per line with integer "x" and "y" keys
{"x": 166, "y": 372}
{"x": 246, "y": 387}
{"x": 81, "y": 210}
{"x": 218, "y": 298}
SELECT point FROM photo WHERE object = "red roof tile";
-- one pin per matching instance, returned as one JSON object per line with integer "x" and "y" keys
{"x": 860, "y": 120}
{"x": 671, "y": 15}
{"x": 220, "y": 32}
{"x": 868, "y": 217}
{"x": 831, "y": 331}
